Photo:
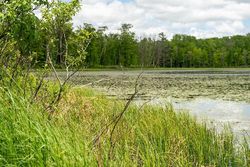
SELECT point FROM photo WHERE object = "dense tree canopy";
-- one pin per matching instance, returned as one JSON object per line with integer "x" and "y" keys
{"x": 28, "y": 40}
{"x": 126, "y": 49}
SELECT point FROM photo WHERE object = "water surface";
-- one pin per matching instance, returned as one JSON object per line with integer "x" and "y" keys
{"x": 219, "y": 112}
{"x": 216, "y": 95}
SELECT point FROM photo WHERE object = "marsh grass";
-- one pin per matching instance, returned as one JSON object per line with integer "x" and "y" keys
{"x": 148, "y": 137}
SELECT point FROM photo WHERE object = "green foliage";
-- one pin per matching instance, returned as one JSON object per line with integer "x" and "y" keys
{"x": 149, "y": 137}
{"x": 181, "y": 51}
{"x": 127, "y": 47}
{"x": 34, "y": 132}
{"x": 78, "y": 45}
{"x": 53, "y": 35}
{"x": 27, "y": 41}
{"x": 57, "y": 29}
{"x": 28, "y": 139}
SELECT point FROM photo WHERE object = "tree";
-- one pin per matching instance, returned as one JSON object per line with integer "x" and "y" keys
{"x": 19, "y": 35}
{"x": 127, "y": 46}
{"x": 25, "y": 39}
{"x": 57, "y": 23}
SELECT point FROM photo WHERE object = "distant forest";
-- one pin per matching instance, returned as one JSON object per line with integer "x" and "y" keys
{"x": 26, "y": 39}
{"x": 125, "y": 49}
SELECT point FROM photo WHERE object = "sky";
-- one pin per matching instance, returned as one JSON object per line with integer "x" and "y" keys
{"x": 201, "y": 18}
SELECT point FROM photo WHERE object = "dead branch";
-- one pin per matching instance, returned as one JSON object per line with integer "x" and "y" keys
{"x": 92, "y": 83}
{"x": 54, "y": 70}
{"x": 115, "y": 121}
{"x": 112, "y": 146}
{"x": 38, "y": 87}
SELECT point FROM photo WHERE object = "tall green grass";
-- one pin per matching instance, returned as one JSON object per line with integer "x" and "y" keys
{"x": 148, "y": 137}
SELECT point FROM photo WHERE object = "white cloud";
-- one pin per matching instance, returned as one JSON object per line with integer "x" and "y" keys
{"x": 195, "y": 17}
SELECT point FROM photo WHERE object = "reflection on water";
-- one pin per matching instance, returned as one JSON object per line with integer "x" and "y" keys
{"x": 219, "y": 111}
{"x": 235, "y": 113}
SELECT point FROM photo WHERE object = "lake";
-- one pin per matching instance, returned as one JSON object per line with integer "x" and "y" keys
{"x": 218, "y": 96}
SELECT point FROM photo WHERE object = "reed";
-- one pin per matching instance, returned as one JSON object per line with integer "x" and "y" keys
{"x": 150, "y": 136}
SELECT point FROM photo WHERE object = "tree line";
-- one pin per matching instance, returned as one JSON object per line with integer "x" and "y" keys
{"x": 125, "y": 49}
{"x": 34, "y": 41}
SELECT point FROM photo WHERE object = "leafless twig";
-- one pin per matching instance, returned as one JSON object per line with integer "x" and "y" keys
{"x": 92, "y": 83}
{"x": 115, "y": 121}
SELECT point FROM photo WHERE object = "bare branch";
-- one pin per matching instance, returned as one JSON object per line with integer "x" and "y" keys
{"x": 92, "y": 83}
{"x": 118, "y": 117}
{"x": 54, "y": 70}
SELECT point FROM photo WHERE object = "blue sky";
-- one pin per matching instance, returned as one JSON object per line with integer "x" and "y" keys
{"x": 195, "y": 17}
{"x": 247, "y": 22}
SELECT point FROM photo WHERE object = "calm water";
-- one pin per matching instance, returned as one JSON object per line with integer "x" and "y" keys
{"x": 219, "y": 112}
{"x": 235, "y": 113}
